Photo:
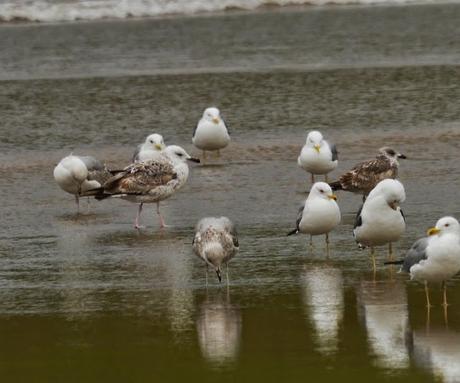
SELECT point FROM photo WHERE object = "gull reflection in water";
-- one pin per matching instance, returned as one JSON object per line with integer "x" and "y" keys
{"x": 77, "y": 298}
{"x": 438, "y": 349}
{"x": 324, "y": 300}
{"x": 383, "y": 304}
{"x": 219, "y": 330}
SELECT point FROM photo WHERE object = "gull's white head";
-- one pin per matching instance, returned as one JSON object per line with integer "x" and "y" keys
{"x": 392, "y": 192}
{"x": 445, "y": 225}
{"x": 155, "y": 141}
{"x": 178, "y": 154}
{"x": 212, "y": 115}
{"x": 322, "y": 190}
{"x": 315, "y": 140}
{"x": 391, "y": 153}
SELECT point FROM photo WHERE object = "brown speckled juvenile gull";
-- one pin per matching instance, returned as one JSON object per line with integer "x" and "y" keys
{"x": 215, "y": 242}
{"x": 366, "y": 175}
{"x": 150, "y": 181}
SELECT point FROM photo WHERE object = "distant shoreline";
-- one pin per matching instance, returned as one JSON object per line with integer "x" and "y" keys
{"x": 63, "y": 13}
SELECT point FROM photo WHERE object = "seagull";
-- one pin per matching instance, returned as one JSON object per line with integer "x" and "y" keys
{"x": 435, "y": 258}
{"x": 80, "y": 175}
{"x": 150, "y": 181}
{"x": 317, "y": 156}
{"x": 215, "y": 242}
{"x": 366, "y": 175}
{"x": 211, "y": 133}
{"x": 320, "y": 213}
{"x": 380, "y": 220}
{"x": 150, "y": 149}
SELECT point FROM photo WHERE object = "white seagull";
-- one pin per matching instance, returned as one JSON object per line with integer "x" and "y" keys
{"x": 215, "y": 242}
{"x": 363, "y": 177}
{"x": 211, "y": 133}
{"x": 317, "y": 156}
{"x": 150, "y": 149}
{"x": 320, "y": 213}
{"x": 435, "y": 258}
{"x": 80, "y": 175}
{"x": 380, "y": 220}
{"x": 150, "y": 181}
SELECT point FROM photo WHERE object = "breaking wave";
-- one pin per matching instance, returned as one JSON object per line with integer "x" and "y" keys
{"x": 70, "y": 10}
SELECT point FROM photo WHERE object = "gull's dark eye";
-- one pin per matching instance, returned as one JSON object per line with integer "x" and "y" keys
{"x": 321, "y": 190}
{"x": 179, "y": 154}
{"x": 151, "y": 141}
{"x": 446, "y": 225}
{"x": 391, "y": 152}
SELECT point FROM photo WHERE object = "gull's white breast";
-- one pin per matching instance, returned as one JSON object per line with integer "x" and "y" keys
{"x": 316, "y": 163}
{"x": 320, "y": 216}
{"x": 443, "y": 260}
{"x": 380, "y": 224}
{"x": 210, "y": 136}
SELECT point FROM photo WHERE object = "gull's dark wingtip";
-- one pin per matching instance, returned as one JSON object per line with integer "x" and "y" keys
{"x": 399, "y": 262}
{"x": 295, "y": 231}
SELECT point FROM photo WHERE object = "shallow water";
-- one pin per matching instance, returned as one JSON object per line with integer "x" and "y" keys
{"x": 87, "y": 298}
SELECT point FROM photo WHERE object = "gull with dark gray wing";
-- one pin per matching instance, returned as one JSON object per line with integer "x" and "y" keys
{"x": 317, "y": 156}
{"x": 435, "y": 258}
{"x": 319, "y": 214}
{"x": 380, "y": 220}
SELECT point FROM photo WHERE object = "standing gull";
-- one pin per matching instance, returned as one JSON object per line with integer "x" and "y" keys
{"x": 80, "y": 175}
{"x": 435, "y": 258}
{"x": 150, "y": 149}
{"x": 317, "y": 156}
{"x": 215, "y": 242}
{"x": 380, "y": 220}
{"x": 363, "y": 177}
{"x": 150, "y": 181}
{"x": 320, "y": 213}
{"x": 211, "y": 133}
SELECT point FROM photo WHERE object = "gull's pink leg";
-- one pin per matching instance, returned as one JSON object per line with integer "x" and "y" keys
{"x": 162, "y": 221}
{"x": 138, "y": 216}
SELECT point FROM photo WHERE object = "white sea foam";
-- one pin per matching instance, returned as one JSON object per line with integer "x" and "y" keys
{"x": 69, "y": 10}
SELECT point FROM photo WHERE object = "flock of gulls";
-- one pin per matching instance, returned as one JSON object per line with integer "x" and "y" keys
{"x": 157, "y": 171}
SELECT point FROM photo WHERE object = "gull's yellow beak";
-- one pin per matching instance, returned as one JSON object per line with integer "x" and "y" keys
{"x": 332, "y": 196}
{"x": 433, "y": 231}
{"x": 158, "y": 146}
{"x": 317, "y": 147}
{"x": 215, "y": 120}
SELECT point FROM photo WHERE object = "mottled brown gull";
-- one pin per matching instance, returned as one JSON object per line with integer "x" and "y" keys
{"x": 150, "y": 181}
{"x": 363, "y": 177}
